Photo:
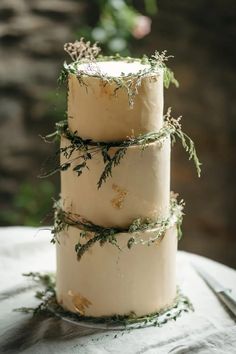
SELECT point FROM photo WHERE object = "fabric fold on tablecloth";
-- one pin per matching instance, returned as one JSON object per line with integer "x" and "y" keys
{"x": 216, "y": 342}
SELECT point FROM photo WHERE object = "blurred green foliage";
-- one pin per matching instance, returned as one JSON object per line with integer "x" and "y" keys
{"x": 31, "y": 205}
{"x": 56, "y": 105}
{"x": 113, "y": 28}
{"x": 115, "y": 23}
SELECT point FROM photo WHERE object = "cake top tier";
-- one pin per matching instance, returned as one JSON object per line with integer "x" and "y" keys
{"x": 111, "y": 98}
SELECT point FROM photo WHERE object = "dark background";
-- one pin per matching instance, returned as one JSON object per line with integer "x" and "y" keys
{"x": 200, "y": 34}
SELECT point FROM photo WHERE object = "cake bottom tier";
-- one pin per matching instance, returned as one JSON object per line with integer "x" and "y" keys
{"x": 107, "y": 281}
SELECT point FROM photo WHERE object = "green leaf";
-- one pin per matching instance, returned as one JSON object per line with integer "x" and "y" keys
{"x": 169, "y": 78}
{"x": 151, "y": 7}
{"x": 79, "y": 168}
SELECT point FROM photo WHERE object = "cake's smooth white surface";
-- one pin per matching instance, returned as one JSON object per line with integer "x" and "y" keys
{"x": 117, "y": 68}
{"x": 107, "y": 281}
{"x": 139, "y": 186}
{"x": 96, "y": 110}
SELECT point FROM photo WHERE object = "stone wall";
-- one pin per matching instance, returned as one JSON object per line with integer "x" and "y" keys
{"x": 32, "y": 34}
{"x": 201, "y": 36}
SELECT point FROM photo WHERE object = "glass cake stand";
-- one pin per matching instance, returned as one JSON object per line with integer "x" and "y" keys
{"x": 181, "y": 305}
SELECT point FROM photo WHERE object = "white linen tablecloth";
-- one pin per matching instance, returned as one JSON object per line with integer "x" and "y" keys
{"x": 209, "y": 329}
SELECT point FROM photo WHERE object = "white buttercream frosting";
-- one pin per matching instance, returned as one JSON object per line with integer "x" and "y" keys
{"x": 139, "y": 186}
{"x": 107, "y": 281}
{"x": 113, "y": 68}
{"x": 99, "y": 111}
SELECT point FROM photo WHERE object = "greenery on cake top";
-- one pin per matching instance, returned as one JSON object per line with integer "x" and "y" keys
{"x": 83, "y": 52}
{"x": 87, "y": 148}
{"x": 49, "y": 305}
{"x": 91, "y": 233}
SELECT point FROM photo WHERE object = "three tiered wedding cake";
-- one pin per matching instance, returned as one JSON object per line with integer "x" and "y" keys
{"x": 116, "y": 224}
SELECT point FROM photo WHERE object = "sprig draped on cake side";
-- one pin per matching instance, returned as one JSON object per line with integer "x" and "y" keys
{"x": 98, "y": 234}
{"x": 88, "y": 148}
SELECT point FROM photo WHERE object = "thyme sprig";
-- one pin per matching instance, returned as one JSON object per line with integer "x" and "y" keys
{"x": 98, "y": 234}
{"x": 88, "y": 148}
{"x": 48, "y": 283}
{"x": 101, "y": 234}
{"x": 49, "y": 305}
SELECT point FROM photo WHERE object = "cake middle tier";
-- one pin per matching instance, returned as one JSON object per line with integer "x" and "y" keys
{"x": 138, "y": 188}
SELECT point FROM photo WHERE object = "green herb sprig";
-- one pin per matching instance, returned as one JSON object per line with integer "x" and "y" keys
{"x": 48, "y": 283}
{"x": 49, "y": 305}
{"x": 88, "y": 148}
{"x": 98, "y": 234}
